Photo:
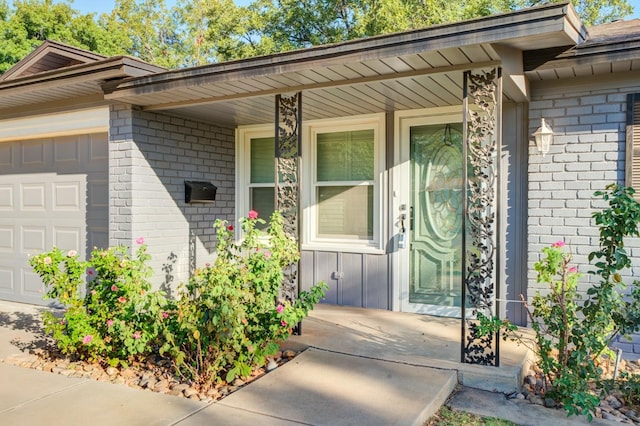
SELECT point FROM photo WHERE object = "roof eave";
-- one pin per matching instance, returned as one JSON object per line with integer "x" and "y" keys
{"x": 110, "y": 68}
{"x": 548, "y": 26}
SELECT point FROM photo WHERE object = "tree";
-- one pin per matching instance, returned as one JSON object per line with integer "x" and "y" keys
{"x": 271, "y": 26}
{"x": 30, "y": 22}
{"x": 197, "y": 32}
{"x": 209, "y": 30}
{"x": 145, "y": 29}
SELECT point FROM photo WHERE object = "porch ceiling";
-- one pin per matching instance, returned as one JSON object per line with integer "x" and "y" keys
{"x": 416, "y": 69}
{"x": 414, "y": 81}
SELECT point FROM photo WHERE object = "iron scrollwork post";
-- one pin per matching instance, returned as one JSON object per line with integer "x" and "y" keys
{"x": 481, "y": 152}
{"x": 288, "y": 142}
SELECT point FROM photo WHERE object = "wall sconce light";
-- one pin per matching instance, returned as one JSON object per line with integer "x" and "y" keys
{"x": 544, "y": 137}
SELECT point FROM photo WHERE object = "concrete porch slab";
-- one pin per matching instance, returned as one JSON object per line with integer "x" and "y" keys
{"x": 326, "y": 388}
{"x": 413, "y": 339}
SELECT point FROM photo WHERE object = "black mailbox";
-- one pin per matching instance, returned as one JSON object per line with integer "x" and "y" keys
{"x": 199, "y": 192}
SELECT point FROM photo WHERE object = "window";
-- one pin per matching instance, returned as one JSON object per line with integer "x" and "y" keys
{"x": 632, "y": 167}
{"x": 341, "y": 185}
{"x": 345, "y": 169}
{"x": 344, "y": 184}
{"x": 262, "y": 169}
{"x": 255, "y": 172}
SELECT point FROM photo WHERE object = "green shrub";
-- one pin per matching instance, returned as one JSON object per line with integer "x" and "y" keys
{"x": 119, "y": 318}
{"x": 230, "y": 315}
{"x": 572, "y": 337}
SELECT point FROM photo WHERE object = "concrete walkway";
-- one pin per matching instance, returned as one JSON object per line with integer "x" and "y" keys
{"x": 361, "y": 367}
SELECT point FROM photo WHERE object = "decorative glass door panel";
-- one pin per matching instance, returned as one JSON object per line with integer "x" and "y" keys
{"x": 435, "y": 218}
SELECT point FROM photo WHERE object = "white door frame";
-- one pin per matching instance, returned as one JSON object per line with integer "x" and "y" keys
{"x": 401, "y": 198}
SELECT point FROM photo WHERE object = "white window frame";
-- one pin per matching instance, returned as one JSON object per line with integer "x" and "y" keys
{"x": 243, "y": 168}
{"x": 310, "y": 239}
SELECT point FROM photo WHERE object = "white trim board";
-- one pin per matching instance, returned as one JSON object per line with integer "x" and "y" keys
{"x": 94, "y": 120}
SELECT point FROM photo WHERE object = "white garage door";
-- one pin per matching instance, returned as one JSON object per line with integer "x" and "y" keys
{"x": 53, "y": 192}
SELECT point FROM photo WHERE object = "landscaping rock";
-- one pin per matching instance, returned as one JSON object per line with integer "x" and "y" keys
{"x": 189, "y": 392}
{"x": 272, "y": 365}
{"x": 613, "y": 402}
{"x": 155, "y": 375}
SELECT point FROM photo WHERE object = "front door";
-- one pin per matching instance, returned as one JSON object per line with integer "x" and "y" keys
{"x": 433, "y": 282}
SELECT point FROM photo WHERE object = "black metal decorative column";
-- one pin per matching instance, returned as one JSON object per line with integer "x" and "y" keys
{"x": 288, "y": 143}
{"x": 480, "y": 268}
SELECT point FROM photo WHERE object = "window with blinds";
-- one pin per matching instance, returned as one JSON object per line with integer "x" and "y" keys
{"x": 345, "y": 164}
{"x": 341, "y": 189}
{"x": 261, "y": 183}
{"x": 633, "y": 143}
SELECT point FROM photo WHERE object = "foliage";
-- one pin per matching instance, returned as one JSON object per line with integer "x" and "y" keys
{"x": 446, "y": 417}
{"x": 606, "y": 303}
{"x": 567, "y": 346}
{"x": 571, "y": 337}
{"x": 196, "y": 32}
{"x": 145, "y": 29}
{"x": 26, "y": 24}
{"x": 230, "y": 316}
{"x": 628, "y": 388}
{"x": 118, "y": 319}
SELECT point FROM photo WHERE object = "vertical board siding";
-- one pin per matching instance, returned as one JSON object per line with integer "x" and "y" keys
{"x": 353, "y": 278}
{"x": 377, "y": 285}
{"x": 364, "y": 279}
{"x": 514, "y": 209}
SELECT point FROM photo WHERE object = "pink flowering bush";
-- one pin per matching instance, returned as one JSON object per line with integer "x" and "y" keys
{"x": 230, "y": 315}
{"x": 574, "y": 331}
{"x": 111, "y": 316}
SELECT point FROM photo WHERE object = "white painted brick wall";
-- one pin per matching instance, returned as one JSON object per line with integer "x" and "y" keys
{"x": 151, "y": 156}
{"x": 588, "y": 152}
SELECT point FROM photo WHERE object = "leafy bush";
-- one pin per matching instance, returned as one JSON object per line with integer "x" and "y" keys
{"x": 571, "y": 337}
{"x": 118, "y": 319}
{"x": 567, "y": 351}
{"x": 230, "y": 315}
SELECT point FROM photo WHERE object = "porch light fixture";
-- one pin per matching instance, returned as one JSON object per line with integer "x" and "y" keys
{"x": 544, "y": 137}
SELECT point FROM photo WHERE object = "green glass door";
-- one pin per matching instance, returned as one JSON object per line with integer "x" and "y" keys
{"x": 435, "y": 219}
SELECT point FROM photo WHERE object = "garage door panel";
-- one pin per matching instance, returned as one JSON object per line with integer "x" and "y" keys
{"x": 66, "y": 149}
{"x": 33, "y": 238}
{"x": 7, "y": 241}
{"x": 7, "y": 160}
{"x": 33, "y": 196}
{"x": 98, "y": 238}
{"x": 99, "y": 194}
{"x": 6, "y": 197}
{"x": 31, "y": 285}
{"x": 6, "y": 280}
{"x": 34, "y": 153}
{"x": 98, "y": 147}
{"x": 68, "y": 238}
{"x": 66, "y": 196}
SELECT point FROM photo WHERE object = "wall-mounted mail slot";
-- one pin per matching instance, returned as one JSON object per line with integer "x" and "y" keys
{"x": 199, "y": 192}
